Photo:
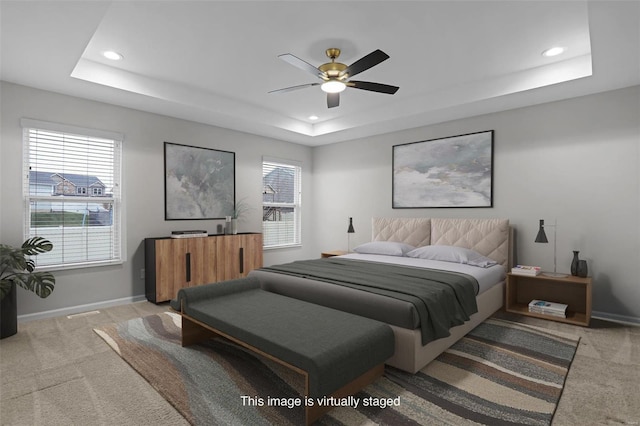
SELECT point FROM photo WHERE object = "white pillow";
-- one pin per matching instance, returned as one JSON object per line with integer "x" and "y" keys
{"x": 452, "y": 254}
{"x": 389, "y": 248}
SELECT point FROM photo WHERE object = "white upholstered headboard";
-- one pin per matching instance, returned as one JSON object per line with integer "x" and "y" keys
{"x": 414, "y": 231}
{"x": 489, "y": 237}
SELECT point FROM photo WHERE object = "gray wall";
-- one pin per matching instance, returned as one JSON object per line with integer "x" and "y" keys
{"x": 576, "y": 161}
{"x": 143, "y": 189}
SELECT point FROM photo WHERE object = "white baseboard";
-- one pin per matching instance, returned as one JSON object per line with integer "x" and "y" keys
{"x": 616, "y": 318}
{"x": 80, "y": 308}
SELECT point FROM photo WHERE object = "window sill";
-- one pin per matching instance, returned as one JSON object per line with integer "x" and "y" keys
{"x": 71, "y": 266}
{"x": 287, "y": 246}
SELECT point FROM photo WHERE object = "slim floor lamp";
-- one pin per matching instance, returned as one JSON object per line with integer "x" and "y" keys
{"x": 542, "y": 238}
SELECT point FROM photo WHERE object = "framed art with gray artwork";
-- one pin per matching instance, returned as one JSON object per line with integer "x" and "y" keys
{"x": 199, "y": 183}
{"x": 455, "y": 171}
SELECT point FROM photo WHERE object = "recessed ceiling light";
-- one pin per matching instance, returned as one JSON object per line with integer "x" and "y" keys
{"x": 313, "y": 117}
{"x": 553, "y": 51}
{"x": 114, "y": 56}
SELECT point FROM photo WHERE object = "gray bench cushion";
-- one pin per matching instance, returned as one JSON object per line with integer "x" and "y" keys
{"x": 332, "y": 346}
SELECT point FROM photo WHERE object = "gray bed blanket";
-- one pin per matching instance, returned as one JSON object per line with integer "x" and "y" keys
{"x": 442, "y": 299}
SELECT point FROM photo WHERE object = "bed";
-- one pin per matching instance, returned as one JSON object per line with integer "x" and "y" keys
{"x": 488, "y": 241}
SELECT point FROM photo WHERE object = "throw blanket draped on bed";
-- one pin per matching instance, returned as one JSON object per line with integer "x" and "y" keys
{"x": 442, "y": 299}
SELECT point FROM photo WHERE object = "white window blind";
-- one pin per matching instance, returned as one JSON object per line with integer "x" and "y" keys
{"x": 281, "y": 203}
{"x": 71, "y": 186}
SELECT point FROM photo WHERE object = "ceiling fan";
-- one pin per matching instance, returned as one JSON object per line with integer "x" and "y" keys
{"x": 336, "y": 76}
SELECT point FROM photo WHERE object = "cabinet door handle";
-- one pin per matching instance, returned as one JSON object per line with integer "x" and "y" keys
{"x": 241, "y": 260}
{"x": 188, "y": 266}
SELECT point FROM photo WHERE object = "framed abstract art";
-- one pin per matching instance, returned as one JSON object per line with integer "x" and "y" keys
{"x": 455, "y": 171}
{"x": 199, "y": 183}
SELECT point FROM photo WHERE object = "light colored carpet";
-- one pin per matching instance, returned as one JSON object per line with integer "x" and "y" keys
{"x": 502, "y": 372}
{"x": 59, "y": 372}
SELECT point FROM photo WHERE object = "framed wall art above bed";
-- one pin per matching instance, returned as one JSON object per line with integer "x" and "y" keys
{"x": 199, "y": 183}
{"x": 455, "y": 171}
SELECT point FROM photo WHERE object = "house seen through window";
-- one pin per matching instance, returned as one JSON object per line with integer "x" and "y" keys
{"x": 71, "y": 184}
{"x": 281, "y": 201}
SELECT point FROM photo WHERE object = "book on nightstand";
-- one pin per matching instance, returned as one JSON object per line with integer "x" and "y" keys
{"x": 526, "y": 270}
{"x": 548, "y": 308}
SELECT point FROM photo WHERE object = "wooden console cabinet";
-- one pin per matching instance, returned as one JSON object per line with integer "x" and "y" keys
{"x": 174, "y": 263}
{"x": 572, "y": 291}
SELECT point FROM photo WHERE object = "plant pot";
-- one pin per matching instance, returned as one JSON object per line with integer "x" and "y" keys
{"x": 9, "y": 314}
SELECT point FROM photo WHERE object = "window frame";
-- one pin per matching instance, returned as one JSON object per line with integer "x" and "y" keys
{"x": 296, "y": 204}
{"x": 117, "y": 236}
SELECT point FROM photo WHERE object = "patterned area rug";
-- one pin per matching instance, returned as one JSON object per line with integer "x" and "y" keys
{"x": 501, "y": 373}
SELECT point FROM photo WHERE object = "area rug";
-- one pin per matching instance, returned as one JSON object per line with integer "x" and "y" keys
{"x": 502, "y": 373}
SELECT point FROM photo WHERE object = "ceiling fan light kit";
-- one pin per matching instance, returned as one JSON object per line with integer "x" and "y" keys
{"x": 336, "y": 75}
{"x": 333, "y": 86}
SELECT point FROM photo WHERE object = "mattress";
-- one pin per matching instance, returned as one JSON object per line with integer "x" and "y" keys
{"x": 389, "y": 310}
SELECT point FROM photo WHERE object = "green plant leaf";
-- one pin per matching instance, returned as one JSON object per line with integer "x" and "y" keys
{"x": 41, "y": 283}
{"x": 16, "y": 267}
{"x": 36, "y": 245}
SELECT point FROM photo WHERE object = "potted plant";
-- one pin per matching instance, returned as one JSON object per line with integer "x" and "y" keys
{"x": 240, "y": 207}
{"x": 16, "y": 268}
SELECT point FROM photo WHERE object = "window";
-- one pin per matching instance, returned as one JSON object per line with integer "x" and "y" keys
{"x": 281, "y": 203}
{"x": 71, "y": 186}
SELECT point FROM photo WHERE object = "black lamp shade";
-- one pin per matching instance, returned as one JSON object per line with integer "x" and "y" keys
{"x": 351, "y": 230}
{"x": 541, "y": 237}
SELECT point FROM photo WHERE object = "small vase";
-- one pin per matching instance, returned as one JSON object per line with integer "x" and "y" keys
{"x": 234, "y": 226}
{"x": 227, "y": 225}
{"x": 582, "y": 268}
{"x": 574, "y": 263}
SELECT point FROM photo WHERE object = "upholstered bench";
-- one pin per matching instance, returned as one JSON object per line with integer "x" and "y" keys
{"x": 337, "y": 352}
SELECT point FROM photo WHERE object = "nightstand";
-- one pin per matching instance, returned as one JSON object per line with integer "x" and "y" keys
{"x": 332, "y": 253}
{"x": 572, "y": 291}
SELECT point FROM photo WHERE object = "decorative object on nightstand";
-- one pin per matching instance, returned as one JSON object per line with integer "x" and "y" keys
{"x": 350, "y": 231}
{"x": 582, "y": 268}
{"x": 526, "y": 270}
{"x": 574, "y": 263}
{"x": 542, "y": 238}
{"x": 548, "y": 308}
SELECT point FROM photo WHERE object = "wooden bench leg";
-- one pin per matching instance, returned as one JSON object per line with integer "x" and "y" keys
{"x": 193, "y": 332}
{"x": 315, "y": 412}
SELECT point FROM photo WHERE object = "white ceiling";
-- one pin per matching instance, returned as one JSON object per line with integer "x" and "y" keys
{"x": 215, "y": 61}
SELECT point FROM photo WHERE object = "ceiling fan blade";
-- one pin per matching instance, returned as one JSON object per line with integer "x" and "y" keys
{"x": 333, "y": 100}
{"x": 364, "y": 63}
{"x": 299, "y": 63}
{"x": 373, "y": 87}
{"x": 289, "y": 89}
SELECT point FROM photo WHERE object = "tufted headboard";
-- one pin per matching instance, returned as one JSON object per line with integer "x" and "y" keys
{"x": 489, "y": 237}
